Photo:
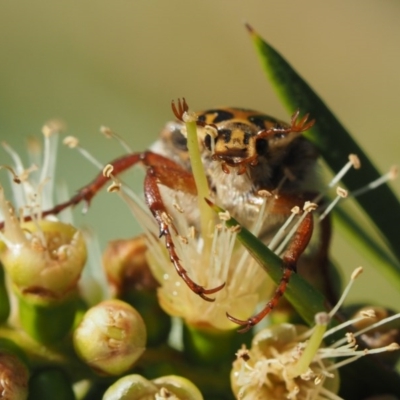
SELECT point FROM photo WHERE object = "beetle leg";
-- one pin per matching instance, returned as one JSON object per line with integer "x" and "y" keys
{"x": 296, "y": 247}
{"x": 165, "y": 176}
{"x": 295, "y": 126}
{"x": 316, "y": 267}
{"x": 121, "y": 164}
{"x": 180, "y": 110}
{"x": 301, "y": 125}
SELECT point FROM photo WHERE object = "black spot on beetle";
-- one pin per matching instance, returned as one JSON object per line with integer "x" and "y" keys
{"x": 225, "y": 134}
{"x": 207, "y": 142}
{"x": 246, "y": 139}
{"x": 260, "y": 120}
{"x": 220, "y": 115}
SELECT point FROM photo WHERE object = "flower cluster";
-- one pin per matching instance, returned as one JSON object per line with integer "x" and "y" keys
{"x": 94, "y": 346}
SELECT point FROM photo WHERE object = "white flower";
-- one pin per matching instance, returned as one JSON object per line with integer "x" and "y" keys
{"x": 288, "y": 361}
{"x": 225, "y": 261}
{"x": 35, "y": 191}
{"x": 43, "y": 257}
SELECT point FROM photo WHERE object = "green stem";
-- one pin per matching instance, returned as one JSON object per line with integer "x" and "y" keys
{"x": 203, "y": 190}
{"x": 47, "y": 323}
{"x": 4, "y": 300}
{"x": 311, "y": 349}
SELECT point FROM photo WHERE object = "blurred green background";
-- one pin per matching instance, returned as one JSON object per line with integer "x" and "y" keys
{"x": 119, "y": 63}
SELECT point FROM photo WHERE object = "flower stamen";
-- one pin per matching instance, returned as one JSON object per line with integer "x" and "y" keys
{"x": 278, "y": 236}
{"x": 73, "y": 143}
{"x": 389, "y": 176}
{"x": 356, "y": 273}
{"x": 340, "y": 194}
{"x": 16, "y": 178}
{"x": 110, "y": 134}
{"x": 353, "y": 162}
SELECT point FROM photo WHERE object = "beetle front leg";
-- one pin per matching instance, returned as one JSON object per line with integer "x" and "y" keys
{"x": 296, "y": 247}
{"x": 295, "y": 127}
{"x": 120, "y": 165}
{"x": 161, "y": 175}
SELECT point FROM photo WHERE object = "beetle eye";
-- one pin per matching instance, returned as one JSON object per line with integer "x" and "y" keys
{"x": 178, "y": 140}
{"x": 261, "y": 146}
{"x": 207, "y": 141}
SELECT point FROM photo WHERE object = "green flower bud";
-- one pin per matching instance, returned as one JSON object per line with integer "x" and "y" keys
{"x": 178, "y": 386}
{"x": 110, "y": 337}
{"x": 126, "y": 266}
{"x": 43, "y": 258}
{"x": 131, "y": 280}
{"x": 135, "y": 387}
{"x": 131, "y": 387}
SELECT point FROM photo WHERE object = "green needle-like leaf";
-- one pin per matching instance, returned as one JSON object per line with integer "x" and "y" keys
{"x": 334, "y": 142}
{"x": 304, "y": 297}
{"x": 4, "y": 300}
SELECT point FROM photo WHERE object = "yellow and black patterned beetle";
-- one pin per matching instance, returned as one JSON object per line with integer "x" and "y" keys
{"x": 244, "y": 152}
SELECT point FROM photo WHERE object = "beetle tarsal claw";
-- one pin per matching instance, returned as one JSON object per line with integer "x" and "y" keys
{"x": 202, "y": 292}
{"x": 246, "y": 324}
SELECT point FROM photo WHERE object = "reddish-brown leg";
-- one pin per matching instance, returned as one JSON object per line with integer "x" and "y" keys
{"x": 296, "y": 247}
{"x": 156, "y": 205}
{"x": 317, "y": 269}
{"x": 120, "y": 165}
{"x": 295, "y": 126}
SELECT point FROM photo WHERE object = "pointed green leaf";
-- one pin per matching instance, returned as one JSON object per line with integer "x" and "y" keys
{"x": 334, "y": 142}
